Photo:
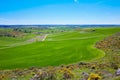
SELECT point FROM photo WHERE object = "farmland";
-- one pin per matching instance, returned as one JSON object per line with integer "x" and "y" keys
{"x": 59, "y": 47}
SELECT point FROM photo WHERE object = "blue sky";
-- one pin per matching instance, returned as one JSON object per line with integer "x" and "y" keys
{"x": 59, "y": 11}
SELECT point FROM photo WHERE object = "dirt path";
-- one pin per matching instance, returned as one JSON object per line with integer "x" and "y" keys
{"x": 44, "y": 37}
{"x": 37, "y": 38}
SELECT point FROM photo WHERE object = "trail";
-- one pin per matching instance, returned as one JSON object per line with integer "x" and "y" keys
{"x": 44, "y": 37}
{"x": 37, "y": 38}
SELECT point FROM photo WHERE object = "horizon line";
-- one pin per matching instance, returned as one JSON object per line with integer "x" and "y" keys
{"x": 59, "y": 24}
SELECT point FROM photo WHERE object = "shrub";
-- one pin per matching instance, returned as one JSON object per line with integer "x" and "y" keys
{"x": 67, "y": 74}
{"x": 93, "y": 76}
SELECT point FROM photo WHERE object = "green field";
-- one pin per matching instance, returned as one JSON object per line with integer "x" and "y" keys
{"x": 58, "y": 48}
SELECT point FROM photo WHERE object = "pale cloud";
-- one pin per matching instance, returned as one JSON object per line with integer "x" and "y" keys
{"x": 3, "y": 19}
{"x": 76, "y": 1}
{"x": 7, "y": 21}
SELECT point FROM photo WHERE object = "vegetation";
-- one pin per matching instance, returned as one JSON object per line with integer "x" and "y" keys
{"x": 74, "y": 54}
{"x": 58, "y": 49}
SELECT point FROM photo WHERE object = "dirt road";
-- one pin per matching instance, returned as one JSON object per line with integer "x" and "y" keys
{"x": 37, "y": 38}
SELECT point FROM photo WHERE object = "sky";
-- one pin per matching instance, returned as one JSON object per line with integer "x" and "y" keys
{"x": 59, "y": 12}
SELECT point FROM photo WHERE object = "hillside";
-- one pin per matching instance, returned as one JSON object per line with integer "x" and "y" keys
{"x": 111, "y": 43}
{"x": 103, "y": 67}
{"x": 58, "y": 48}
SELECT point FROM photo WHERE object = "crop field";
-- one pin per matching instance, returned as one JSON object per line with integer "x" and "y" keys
{"x": 66, "y": 47}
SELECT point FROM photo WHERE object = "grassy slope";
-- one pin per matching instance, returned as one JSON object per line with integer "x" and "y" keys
{"x": 65, "y": 48}
{"x": 8, "y": 41}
